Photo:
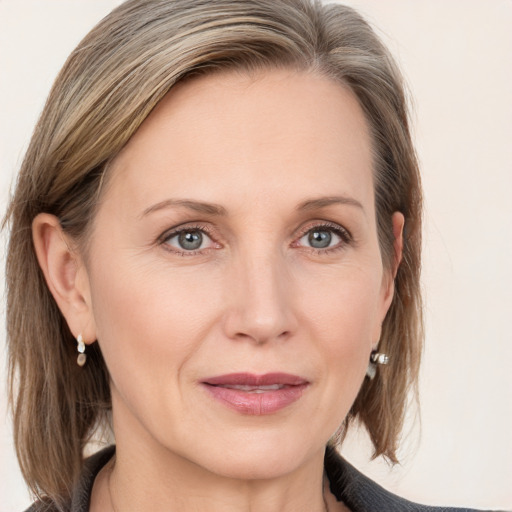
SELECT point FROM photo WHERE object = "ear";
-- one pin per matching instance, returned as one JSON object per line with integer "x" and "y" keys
{"x": 398, "y": 222}
{"x": 388, "y": 278}
{"x": 65, "y": 275}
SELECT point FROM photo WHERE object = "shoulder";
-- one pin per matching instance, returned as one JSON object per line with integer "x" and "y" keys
{"x": 361, "y": 494}
{"x": 81, "y": 496}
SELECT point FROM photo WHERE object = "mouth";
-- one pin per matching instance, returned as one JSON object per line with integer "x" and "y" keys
{"x": 256, "y": 395}
{"x": 254, "y": 389}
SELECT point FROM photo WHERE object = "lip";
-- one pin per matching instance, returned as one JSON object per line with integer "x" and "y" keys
{"x": 256, "y": 395}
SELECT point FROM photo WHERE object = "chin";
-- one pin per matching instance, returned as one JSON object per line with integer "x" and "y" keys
{"x": 260, "y": 458}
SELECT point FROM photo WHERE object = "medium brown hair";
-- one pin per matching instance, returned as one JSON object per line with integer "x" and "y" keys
{"x": 108, "y": 86}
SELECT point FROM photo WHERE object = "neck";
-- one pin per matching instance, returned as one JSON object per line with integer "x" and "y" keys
{"x": 178, "y": 485}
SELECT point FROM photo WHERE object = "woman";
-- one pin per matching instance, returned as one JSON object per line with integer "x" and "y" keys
{"x": 218, "y": 219}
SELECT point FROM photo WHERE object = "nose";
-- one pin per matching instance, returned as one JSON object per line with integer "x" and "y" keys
{"x": 260, "y": 300}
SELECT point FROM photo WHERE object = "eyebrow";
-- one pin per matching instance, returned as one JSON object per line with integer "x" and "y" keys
{"x": 196, "y": 206}
{"x": 218, "y": 210}
{"x": 323, "y": 202}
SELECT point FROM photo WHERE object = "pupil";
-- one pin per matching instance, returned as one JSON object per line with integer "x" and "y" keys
{"x": 190, "y": 240}
{"x": 320, "y": 239}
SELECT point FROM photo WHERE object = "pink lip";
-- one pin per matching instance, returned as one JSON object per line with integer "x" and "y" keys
{"x": 265, "y": 394}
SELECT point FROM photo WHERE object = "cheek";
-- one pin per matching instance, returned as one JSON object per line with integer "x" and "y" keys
{"x": 344, "y": 305}
{"x": 342, "y": 316}
{"x": 149, "y": 323}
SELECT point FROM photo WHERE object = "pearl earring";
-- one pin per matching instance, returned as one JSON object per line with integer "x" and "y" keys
{"x": 82, "y": 358}
{"x": 375, "y": 359}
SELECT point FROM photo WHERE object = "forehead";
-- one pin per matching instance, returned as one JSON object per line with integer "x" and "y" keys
{"x": 252, "y": 133}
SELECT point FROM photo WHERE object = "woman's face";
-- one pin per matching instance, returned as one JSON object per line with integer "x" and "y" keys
{"x": 235, "y": 278}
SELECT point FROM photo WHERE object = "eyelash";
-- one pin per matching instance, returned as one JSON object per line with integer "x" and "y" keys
{"x": 342, "y": 233}
{"x": 168, "y": 235}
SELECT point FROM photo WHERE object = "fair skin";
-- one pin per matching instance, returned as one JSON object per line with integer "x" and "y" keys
{"x": 236, "y": 234}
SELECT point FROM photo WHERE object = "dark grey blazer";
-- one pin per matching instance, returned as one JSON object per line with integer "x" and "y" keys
{"x": 357, "y": 491}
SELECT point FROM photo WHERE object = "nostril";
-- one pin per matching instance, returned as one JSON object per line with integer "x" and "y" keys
{"x": 262, "y": 338}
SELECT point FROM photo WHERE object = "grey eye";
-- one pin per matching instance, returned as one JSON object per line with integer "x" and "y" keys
{"x": 319, "y": 239}
{"x": 190, "y": 240}
{"x": 322, "y": 237}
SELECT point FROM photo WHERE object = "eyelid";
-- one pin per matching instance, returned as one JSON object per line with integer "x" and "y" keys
{"x": 176, "y": 230}
{"x": 339, "y": 230}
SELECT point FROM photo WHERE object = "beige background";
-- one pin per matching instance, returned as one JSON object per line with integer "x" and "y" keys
{"x": 457, "y": 57}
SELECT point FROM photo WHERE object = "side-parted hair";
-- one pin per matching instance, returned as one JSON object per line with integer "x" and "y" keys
{"x": 106, "y": 89}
